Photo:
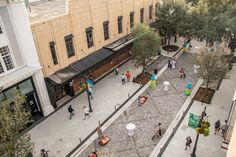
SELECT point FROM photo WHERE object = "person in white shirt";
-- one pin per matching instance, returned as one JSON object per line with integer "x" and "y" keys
{"x": 86, "y": 112}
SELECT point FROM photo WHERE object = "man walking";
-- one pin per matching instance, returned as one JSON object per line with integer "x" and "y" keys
{"x": 157, "y": 132}
{"x": 224, "y": 128}
{"x": 71, "y": 111}
{"x": 188, "y": 142}
{"x": 217, "y": 126}
{"x": 86, "y": 112}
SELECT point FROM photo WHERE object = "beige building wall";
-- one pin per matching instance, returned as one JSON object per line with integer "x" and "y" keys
{"x": 81, "y": 15}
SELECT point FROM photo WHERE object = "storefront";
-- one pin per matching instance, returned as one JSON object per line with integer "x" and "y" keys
{"x": 27, "y": 88}
{"x": 70, "y": 81}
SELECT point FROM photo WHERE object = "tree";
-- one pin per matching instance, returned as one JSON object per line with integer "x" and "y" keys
{"x": 206, "y": 20}
{"x": 231, "y": 25}
{"x": 146, "y": 45}
{"x": 213, "y": 65}
{"x": 170, "y": 16}
{"x": 14, "y": 118}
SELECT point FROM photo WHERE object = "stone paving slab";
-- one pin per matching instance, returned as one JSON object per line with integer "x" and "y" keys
{"x": 161, "y": 107}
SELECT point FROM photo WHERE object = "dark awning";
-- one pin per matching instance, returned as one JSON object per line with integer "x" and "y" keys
{"x": 121, "y": 43}
{"x": 80, "y": 66}
{"x": 63, "y": 75}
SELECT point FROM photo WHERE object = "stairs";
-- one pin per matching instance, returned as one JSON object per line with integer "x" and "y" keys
{"x": 225, "y": 144}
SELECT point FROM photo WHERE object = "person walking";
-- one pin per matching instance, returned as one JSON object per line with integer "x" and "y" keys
{"x": 128, "y": 76}
{"x": 86, "y": 112}
{"x": 169, "y": 63}
{"x": 173, "y": 63}
{"x": 122, "y": 78}
{"x": 157, "y": 132}
{"x": 182, "y": 73}
{"x": 224, "y": 128}
{"x": 71, "y": 111}
{"x": 217, "y": 126}
{"x": 188, "y": 142}
{"x": 116, "y": 71}
{"x": 90, "y": 91}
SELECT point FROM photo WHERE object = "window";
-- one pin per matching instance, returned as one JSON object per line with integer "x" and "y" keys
{"x": 120, "y": 28}
{"x": 6, "y": 62}
{"x": 156, "y": 9}
{"x": 53, "y": 52}
{"x": 69, "y": 45}
{"x": 106, "y": 30}
{"x": 141, "y": 15}
{"x": 26, "y": 86}
{"x": 131, "y": 19}
{"x": 0, "y": 30}
{"x": 89, "y": 34}
{"x": 150, "y": 11}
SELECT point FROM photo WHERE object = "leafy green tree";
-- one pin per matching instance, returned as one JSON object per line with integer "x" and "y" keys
{"x": 170, "y": 17}
{"x": 146, "y": 45}
{"x": 213, "y": 65}
{"x": 231, "y": 25}
{"x": 206, "y": 20}
{"x": 13, "y": 119}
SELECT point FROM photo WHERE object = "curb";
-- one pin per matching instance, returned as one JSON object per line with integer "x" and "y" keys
{"x": 173, "y": 127}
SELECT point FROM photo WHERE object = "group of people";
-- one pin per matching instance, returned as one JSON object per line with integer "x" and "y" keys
{"x": 219, "y": 127}
{"x": 172, "y": 63}
{"x": 72, "y": 112}
{"x": 125, "y": 77}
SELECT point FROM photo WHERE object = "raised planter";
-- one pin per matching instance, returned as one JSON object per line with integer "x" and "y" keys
{"x": 204, "y": 95}
{"x": 142, "y": 78}
{"x": 170, "y": 48}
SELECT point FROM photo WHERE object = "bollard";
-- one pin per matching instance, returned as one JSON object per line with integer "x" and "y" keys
{"x": 99, "y": 123}
{"x": 128, "y": 95}
{"x": 115, "y": 107}
{"x": 125, "y": 113}
{"x": 80, "y": 140}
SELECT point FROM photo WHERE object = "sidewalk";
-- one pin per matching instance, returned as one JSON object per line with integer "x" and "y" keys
{"x": 60, "y": 135}
{"x": 209, "y": 146}
{"x": 161, "y": 106}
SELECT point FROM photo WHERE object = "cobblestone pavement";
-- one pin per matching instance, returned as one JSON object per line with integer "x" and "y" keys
{"x": 161, "y": 107}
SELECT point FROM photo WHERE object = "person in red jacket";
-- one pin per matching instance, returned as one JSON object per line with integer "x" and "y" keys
{"x": 128, "y": 76}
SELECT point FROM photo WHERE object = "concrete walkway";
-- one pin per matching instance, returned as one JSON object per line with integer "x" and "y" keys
{"x": 60, "y": 135}
{"x": 209, "y": 146}
{"x": 161, "y": 106}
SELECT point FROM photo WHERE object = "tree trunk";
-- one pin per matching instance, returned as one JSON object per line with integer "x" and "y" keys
{"x": 175, "y": 38}
{"x": 144, "y": 67}
{"x": 169, "y": 40}
{"x": 207, "y": 83}
{"x": 164, "y": 40}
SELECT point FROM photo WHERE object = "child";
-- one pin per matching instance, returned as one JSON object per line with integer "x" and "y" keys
{"x": 122, "y": 78}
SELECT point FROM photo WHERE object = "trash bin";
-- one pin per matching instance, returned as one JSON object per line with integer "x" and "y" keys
{"x": 155, "y": 71}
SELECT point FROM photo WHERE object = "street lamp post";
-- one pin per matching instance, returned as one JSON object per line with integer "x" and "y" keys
{"x": 193, "y": 154}
{"x": 88, "y": 95}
